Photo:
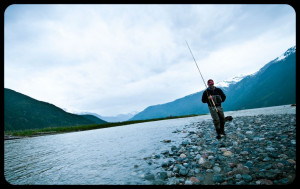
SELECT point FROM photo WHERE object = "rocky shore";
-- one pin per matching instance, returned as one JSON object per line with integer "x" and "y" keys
{"x": 257, "y": 150}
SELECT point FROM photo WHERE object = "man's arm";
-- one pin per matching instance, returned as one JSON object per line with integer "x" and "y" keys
{"x": 204, "y": 97}
{"x": 223, "y": 96}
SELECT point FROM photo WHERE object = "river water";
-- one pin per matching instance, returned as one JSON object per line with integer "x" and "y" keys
{"x": 103, "y": 156}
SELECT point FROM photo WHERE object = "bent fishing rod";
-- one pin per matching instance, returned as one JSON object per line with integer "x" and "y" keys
{"x": 202, "y": 77}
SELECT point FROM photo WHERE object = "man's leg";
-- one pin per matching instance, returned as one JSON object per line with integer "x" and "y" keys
{"x": 216, "y": 121}
{"x": 222, "y": 119}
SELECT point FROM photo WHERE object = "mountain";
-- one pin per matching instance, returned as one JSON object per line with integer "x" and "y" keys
{"x": 22, "y": 112}
{"x": 230, "y": 81}
{"x": 93, "y": 118}
{"x": 117, "y": 118}
{"x": 274, "y": 84}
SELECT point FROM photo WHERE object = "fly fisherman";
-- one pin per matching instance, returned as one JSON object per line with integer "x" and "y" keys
{"x": 217, "y": 95}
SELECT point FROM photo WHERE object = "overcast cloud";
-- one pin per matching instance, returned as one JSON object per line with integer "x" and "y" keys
{"x": 112, "y": 59}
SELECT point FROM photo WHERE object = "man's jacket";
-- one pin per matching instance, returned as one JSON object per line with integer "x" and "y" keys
{"x": 216, "y": 93}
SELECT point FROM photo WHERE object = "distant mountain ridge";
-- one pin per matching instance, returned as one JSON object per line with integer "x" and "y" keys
{"x": 22, "y": 112}
{"x": 117, "y": 118}
{"x": 274, "y": 84}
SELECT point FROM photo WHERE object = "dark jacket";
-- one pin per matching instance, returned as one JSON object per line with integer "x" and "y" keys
{"x": 217, "y": 95}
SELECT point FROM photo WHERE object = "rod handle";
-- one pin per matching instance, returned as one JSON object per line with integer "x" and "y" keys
{"x": 214, "y": 105}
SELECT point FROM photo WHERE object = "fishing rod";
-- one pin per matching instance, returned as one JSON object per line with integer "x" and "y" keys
{"x": 201, "y": 77}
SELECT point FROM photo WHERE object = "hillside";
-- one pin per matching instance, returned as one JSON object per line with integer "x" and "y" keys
{"x": 23, "y": 112}
{"x": 274, "y": 84}
{"x": 93, "y": 118}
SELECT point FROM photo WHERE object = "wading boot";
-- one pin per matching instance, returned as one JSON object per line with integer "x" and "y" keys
{"x": 222, "y": 132}
{"x": 218, "y": 134}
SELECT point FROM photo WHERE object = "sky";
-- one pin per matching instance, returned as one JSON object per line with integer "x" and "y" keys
{"x": 118, "y": 59}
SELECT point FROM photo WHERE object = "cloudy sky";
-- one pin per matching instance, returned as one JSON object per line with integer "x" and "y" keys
{"x": 113, "y": 59}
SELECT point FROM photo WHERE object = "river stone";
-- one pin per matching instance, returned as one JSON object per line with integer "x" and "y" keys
{"x": 182, "y": 149}
{"x": 149, "y": 176}
{"x": 217, "y": 169}
{"x": 157, "y": 156}
{"x": 201, "y": 161}
{"x": 238, "y": 176}
{"x": 218, "y": 178}
{"x": 184, "y": 143}
{"x": 188, "y": 182}
{"x": 198, "y": 156}
{"x": 264, "y": 182}
{"x": 240, "y": 169}
{"x": 249, "y": 164}
{"x": 247, "y": 177}
{"x": 271, "y": 175}
{"x": 284, "y": 181}
{"x": 227, "y": 153}
{"x": 291, "y": 161}
{"x": 183, "y": 171}
{"x": 207, "y": 165}
{"x": 271, "y": 149}
{"x": 267, "y": 159}
{"x": 194, "y": 179}
{"x": 244, "y": 153}
{"x": 163, "y": 175}
{"x": 165, "y": 164}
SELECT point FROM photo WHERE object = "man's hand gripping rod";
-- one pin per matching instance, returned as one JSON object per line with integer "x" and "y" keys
{"x": 201, "y": 76}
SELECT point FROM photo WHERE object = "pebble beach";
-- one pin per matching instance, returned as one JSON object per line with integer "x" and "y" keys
{"x": 257, "y": 150}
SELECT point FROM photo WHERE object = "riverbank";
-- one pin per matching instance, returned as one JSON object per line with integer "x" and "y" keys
{"x": 257, "y": 150}
{"x": 11, "y": 135}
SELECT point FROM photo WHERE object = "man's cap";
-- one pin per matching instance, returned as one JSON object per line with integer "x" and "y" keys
{"x": 210, "y": 81}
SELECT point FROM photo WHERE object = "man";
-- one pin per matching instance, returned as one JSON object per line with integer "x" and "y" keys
{"x": 217, "y": 95}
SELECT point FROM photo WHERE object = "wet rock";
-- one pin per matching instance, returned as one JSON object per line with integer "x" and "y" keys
{"x": 291, "y": 161}
{"x": 163, "y": 175}
{"x": 218, "y": 178}
{"x": 207, "y": 165}
{"x": 247, "y": 177}
{"x": 201, "y": 161}
{"x": 244, "y": 153}
{"x": 284, "y": 181}
{"x": 249, "y": 164}
{"x": 183, "y": 171}
{"x": 240, "y": 169}
{"x": 188, "y": 182}
{"x": 227, "y": 153}
{"x": 149, "y": 176}
{"x": 217, "y": 169}
{"x": 157, "y": 156}
{"x": 238, "y": 176}
{"x": 194, "y": 180}
{"x": 264, "y": 182}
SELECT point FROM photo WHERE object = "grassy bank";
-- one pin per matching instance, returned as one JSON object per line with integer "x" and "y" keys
{"x": 56, "y": 130}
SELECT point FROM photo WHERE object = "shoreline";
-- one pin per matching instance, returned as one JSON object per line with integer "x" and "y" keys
{"x": 257, "y": 150}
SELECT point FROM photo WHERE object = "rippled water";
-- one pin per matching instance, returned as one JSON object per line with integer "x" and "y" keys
{"x": 103, "y": 156}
